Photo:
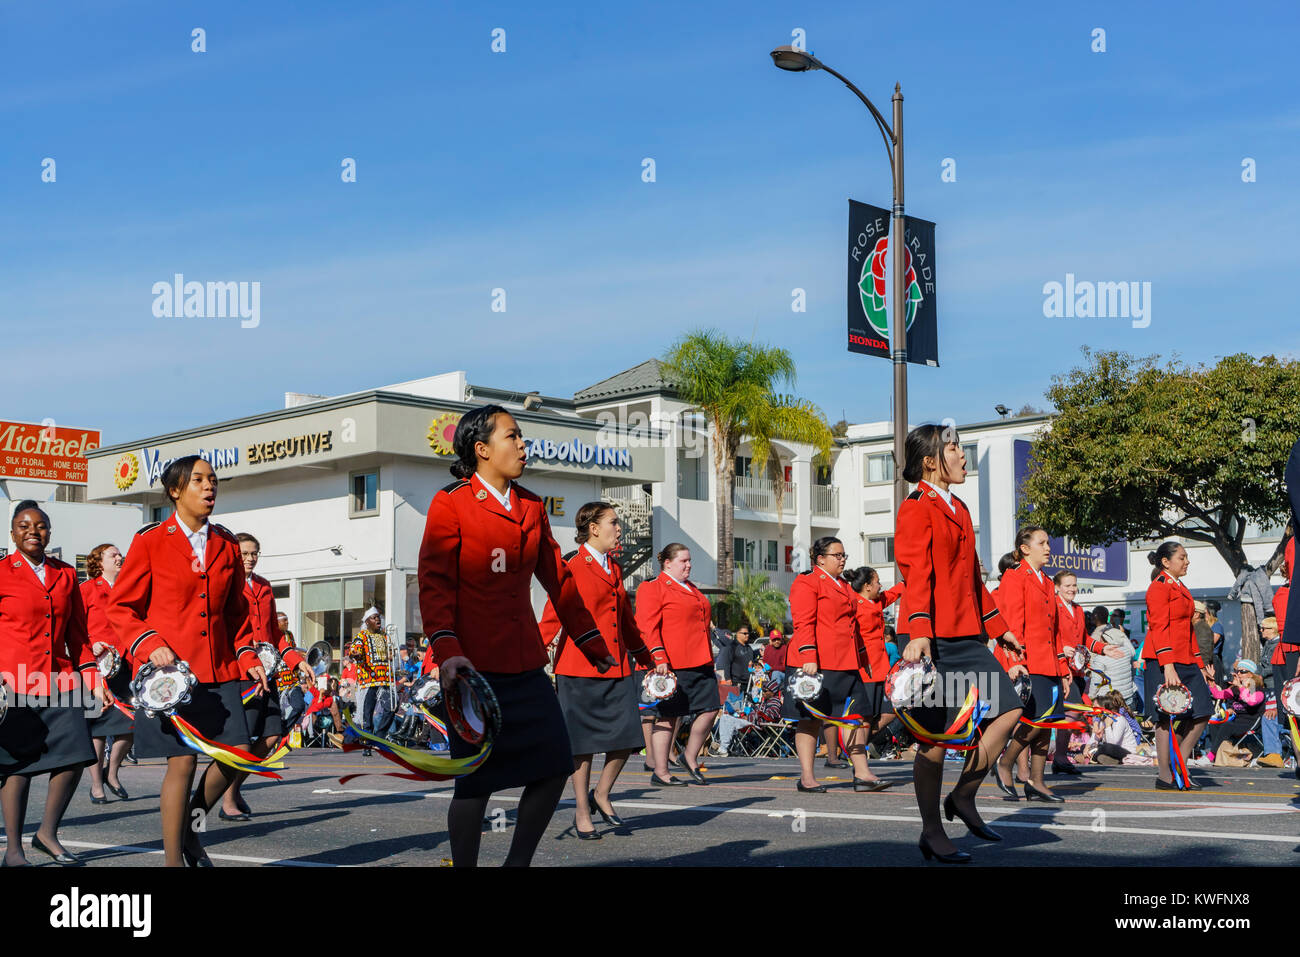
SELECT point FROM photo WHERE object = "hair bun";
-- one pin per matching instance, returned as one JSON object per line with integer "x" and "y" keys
{"x": 1151, "y": 557}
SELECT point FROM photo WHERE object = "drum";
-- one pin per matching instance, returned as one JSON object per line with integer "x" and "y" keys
{"x": 805, "y": 687}
{"x": 1290, "y": 699}
{"x": 472, "y": 708}
{"x": 162, "y": 689}
{"x": 109, "y": 662}
{"x": 319, "y": 657}
{"x": 1173, "y": 699}
{"x": 269, "y": 656}
{"x": 659, "y": 687}
{"x": 908, "y": 682}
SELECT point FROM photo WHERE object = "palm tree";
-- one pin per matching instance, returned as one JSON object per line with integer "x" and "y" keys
{"x": 754, "y": 600}
{"x": 734, "y": 384}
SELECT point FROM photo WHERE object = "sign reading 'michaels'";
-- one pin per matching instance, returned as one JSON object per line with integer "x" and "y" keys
{"x": 45, "y": 452}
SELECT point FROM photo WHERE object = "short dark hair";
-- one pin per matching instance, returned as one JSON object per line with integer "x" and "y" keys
{"x": 860, "y": 578}
{"x": 922, "y": 441}
{"x": 29, "y": 505}
{"x": 177, "y": 475}
{"x": 1166, "y": 551}
{"x": 1101, "y": 614}
{"x": 475, "y": 426}
{"x": 669, "y": 552}
{"x": 245, "y": 537}
{"x": 589, "y": 513}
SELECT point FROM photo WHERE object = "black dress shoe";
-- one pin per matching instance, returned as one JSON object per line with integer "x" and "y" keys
{"x": 191, "y": 859}
{"x": 130, "y": 757}
{"x": 98, "y": 800}
{"x": 66, "y": 859}
{"x": 243, "y": 806}
{"x": 584, "y": 835}
{"x": 815, "y": 789}
{"x": 876, "y": 785}
{"x": 956, "y": 857}
{"x": 1166, "y": 785}
{"x": 1066, "y": 768}
{"x": 118, "y": 790}
{"x": 670, "y": 783}
{"x": 676, "y": 761}
{"x": 241, "y": 816}
{"x": 835, "y": 765}
{"x": 647, "y": 768}
{"x": 1008, "y": 789}
{"x": 1190, "y": 785}
{"x": 610, "y": 818}
{"x": 1033, "y": 794}
{"x": 695, "y": 774}
{"x": 983, "y": 832}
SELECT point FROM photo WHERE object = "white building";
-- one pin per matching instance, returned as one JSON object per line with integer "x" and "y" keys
{"x": 336, "y": 489}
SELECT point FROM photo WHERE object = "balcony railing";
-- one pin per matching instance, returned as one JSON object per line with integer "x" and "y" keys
{"x": 826, "y": 501}
{"x": 759, "y": 495}
{"x": 779, "y": 576}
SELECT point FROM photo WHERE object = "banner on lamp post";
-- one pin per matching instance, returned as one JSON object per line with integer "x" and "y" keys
{"x": 869, "y": 282}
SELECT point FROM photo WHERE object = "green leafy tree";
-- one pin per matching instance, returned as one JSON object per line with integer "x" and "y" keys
{"x": 735, "y": 383}
{"x": 752, "y": 599}
{"x": 1141, "y": 450}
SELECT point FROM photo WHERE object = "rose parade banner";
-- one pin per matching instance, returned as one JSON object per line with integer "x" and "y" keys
{"x": 869, "y": 281}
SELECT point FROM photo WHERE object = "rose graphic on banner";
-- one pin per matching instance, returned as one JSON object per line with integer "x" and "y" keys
{"x": 873, "y": 283}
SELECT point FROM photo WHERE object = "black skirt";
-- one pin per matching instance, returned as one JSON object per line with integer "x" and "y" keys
{"x": 262, "y": 715}
{"x": 112, "y": 721}
{"x": 601, "y": 714}
{"x": 839, "y": 688}
{"x": 533, "y": 744}
{"x": 36, "y": 738}
{"x": 216, "y": 712}
{"x": 697, "y": 692}
{"x": 960, "y": 663}
{"x": 1045, "y": 701}
{"x": 1153, "y": 676}
{"x": 872, "y": 703}
{"x": 1281, "y": 675}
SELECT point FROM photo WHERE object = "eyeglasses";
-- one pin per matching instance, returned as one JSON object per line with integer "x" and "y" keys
{"x": 840, "y": 555}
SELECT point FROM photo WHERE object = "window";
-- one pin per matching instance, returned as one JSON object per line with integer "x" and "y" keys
{"x": 972, "y": 451}
{"x": 878, "y": 467}
{"x": 331, "y": 610}
{"x": 880, "y": 550}
{"x": 82, "y": 573}
{"x": 365, "y": 494}
{"x": 771, "y": 554}
{"x": 160, "y": 513}
{"x": 822, "y": 475}
{"x": 70, "y": 493}
{"x": 744, "y": 466}
{"x": 692, "y": 479}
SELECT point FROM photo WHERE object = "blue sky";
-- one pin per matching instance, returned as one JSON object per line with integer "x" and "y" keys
{"x": 522, "y": 170}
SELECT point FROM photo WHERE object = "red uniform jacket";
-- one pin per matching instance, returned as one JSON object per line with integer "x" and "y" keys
{"x": 1170, "y": 639}
{"x": 477, "y": 562}
{"x": 94, "y": 596}
{"x": 825, "y": 618}
{"x": 1029, "y": 607}
{"x": 674, "y": 622}
{"x": 611, "y": 608}
{"x": 944, "y": 595}
{"x": 42, "y": 629}
{"x": 261, "y": 619}
{"x": 162, "y": 599}
{"x": 871, "y": 626}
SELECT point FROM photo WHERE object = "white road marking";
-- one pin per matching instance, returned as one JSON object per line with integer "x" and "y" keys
{"x": 234, "y": 858}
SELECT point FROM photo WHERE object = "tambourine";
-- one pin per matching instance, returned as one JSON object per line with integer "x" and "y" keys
{"x": 472, "y": 708}
{"x": 426, "y": 691}
{"x": 1173, "y": 699}
{"x": 908, "y": 682}
{"x": 109, "y": 662}
{"x": 1024, "y": 687}
{"x": 659, "y": 687}
{"x": 1081, "y": 659}
{"x": 269, "y": 656}
{"x": 805, "y": 687}
{"x": 1290, "y": 699}
{"x": 162, "y": 689}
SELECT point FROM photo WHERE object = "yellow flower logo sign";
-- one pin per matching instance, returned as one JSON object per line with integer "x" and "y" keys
{"x": 442, "y": 431}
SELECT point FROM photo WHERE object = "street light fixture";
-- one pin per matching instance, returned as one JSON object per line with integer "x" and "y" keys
{"x": 799, "y": 61}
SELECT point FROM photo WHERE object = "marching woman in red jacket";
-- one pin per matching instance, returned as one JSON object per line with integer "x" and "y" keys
{"x": 949, "y": 614}
{"x": 872, "y": 602}
{"x": 1173, "y": 658}
{"x": 673, "y": 616}
{"x": 180, "y": 597}
{"x": 102, "y": 565}
{"x": 262, "y": 712}
{"x": 43, "y": 646}
{"x": 601, "y": 710}
{"x": 1286, "y": 653}
{"x": 1027, "y": 601}
{"x": 484, "y": 540}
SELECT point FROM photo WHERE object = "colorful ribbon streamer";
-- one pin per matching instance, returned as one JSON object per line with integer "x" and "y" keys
{"x": 435, "y": 721}
{"x": 1177, "y": 766}
{"x": 1295, "y": 739}
{"x": 420, "y": 765}
{"x": 233, "y": 757}
{"x": 249, "y": 694}
{"x": 844, "y": 721}
{"x": 961, "y": 734}
{"x": 1055, "y": 724}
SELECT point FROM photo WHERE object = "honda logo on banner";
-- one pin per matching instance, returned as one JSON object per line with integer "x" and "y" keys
{"x": 869, "y": 280}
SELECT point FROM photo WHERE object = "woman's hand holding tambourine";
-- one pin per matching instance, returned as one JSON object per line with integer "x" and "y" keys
{"x": 97, "y": 648}
{"x": 917, "y": 649}
{"x": 662, "y": 669}
{"x": 809, "y": 668}
{"x": 1171, "y": 677}
{"x": 258, "y": 674}
{"x": 163, "y": 657}
{"x": 447, "y": 673}
{"x": 1016, "y": 671}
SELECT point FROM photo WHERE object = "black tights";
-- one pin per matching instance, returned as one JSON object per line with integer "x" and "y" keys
{"x": 536, "y": 807}
{"x": 13, "y": 798}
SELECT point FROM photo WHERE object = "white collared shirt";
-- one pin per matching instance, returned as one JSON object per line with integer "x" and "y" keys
{"x": 503, "y": 499}
{"x": 198, "y": 540}
{"x": 602, "y": 557}
{"x": 943, "y": 493}
{"x": 683, "y": 584}
{"x": 39, "y": 569}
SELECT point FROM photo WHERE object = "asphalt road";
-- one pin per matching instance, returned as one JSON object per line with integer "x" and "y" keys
{"x": 749, "y": 815}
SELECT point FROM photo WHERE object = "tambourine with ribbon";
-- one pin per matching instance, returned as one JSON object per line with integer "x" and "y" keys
{"x": 269, "y": 656}
{"x": 1081, "y": 660}
{"x": 426, "y": 692}
{"x": 472, "y": 708}
{"x": 108, "y": 661}
{"x": 1024, "y": 687}
{"x": 908, "y": 682}
{"x": 803, "y": 686}
{"x": 161, "y": 689}
{"x": 657, "y": 687}
{"x": 1290, "y": 698}
{"x": 1174, "y": 699}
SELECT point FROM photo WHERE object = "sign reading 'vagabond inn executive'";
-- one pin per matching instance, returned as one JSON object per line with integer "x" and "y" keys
{"x": 869, "y": 281}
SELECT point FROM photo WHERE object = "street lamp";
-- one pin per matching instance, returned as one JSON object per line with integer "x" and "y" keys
{"x": 799, "y": 61}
